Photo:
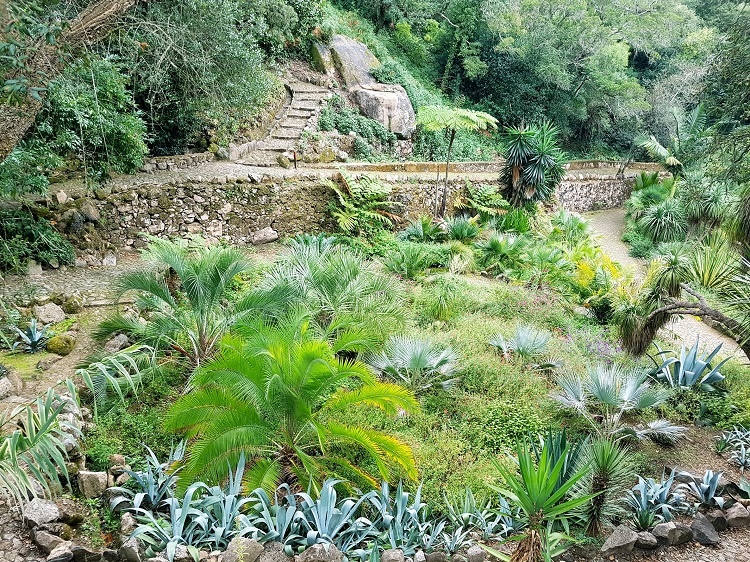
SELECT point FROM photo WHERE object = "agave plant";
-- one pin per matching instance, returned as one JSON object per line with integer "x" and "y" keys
{"x": 278, "y": 520}
{"x": 417, "y": 364}
{"x": 527, "y": 342}
{"x": 741, "y": 457}
{"x": 33, "y": 340}
{"x": 705, "y": 492}
{"x": 613, "y": 391}
{"x": 688, "y": 370}
{"x": 653, "y": 500}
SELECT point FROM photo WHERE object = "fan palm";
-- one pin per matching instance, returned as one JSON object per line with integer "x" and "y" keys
{"x": 606, "y": 393}
{"x": 451, "y": 120}
{"x": 533, "y": 165}
{"x": 417, "y": 364}
{"x": 184, "y": 297}
{"x": 273, "y": 393}
{"x": 340, "y": 290}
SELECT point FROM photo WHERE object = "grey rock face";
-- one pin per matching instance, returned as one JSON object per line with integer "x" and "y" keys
{"x": 646, "y": 541}
{"x": 46, "y": 541}
{"x": 40, "y": 512}
{"x": 273, "y": 552}
{"x": 476, "y": 554}
{"x": 92, "y": 484}
{"x": 6, "y": 388}
{"x": 49, "y": 313}
{"x": 672, "y": 533}
{"x": 718, "y": 519}
{"x": 392, "y": 555}
{"x": 321, "y": 553}
{"x": 130, "y": 551}
{"x": 621, "y": 541}
{"x": 265, "y": 235}
{"x": 120, "y": 341}
{"x": 703, "y": 530}
{"x": 61, "y": 553}
{"x": 389, "y": 105}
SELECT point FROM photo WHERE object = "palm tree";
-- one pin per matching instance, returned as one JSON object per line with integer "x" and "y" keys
{"x": 451, "y": 120}
{"x": 274, "y": 394}
{"x": 690, "y": 137}
{"x": 533, "y": 165}
{"x": 417, "y": 364}
{"x": 340, "y": 291}
{"x": 184, "y": 296}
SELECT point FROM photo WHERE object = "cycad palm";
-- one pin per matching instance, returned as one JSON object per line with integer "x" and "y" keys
{"x": 192, "y": 316}
{"x": 274, "y": 393}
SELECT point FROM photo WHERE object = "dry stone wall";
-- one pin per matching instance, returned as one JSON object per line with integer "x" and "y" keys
{"x": 236, "y": 208}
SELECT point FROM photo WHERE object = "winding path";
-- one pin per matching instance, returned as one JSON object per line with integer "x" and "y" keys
{"x": 609, "y": 226}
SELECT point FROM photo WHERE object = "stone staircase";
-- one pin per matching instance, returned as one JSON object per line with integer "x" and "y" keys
{"x": 300, "y": 113}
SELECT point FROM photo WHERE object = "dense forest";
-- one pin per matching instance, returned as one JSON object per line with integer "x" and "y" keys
{"x": 165, "y": 77}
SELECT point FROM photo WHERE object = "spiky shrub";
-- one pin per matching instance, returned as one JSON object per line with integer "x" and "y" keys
{"x": 536, "y": 490}
{"x": 645, "y": 179}
{"x": 706, "y": 491}
{"x": 688, "y": 370}
{"x": 653, "y": 501}
{"x": 515, "y": 220}
{"x": 533, "y": 166}
{"x": 441, "y": 300}
{"x": 462, "y": 229}
{"x": 424, "y": 229}
{"x": 569, "y": 228}
{"x": 502, "y": 253}
{"x": 664, "y": 222}
{"x": 419, "y": 365}
{"x": 608, "y": 480}
{"x": 714, "y": 264}
{"x": 702, "y": 199}
{"x": 644, "y": 199}
{"x": 32, "y": 339}
{"x": 274, "y": 392}
{"x": 672, "y": 268}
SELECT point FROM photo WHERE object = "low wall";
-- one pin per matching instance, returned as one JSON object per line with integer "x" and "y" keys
{"x": 233, "y": 208}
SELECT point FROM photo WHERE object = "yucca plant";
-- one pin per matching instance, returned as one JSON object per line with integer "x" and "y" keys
{"x": 533, "y": 166}
{"x": 714, "y": 264}
{"x": 673, "y": 269}
{"x": 610, "y": 476}
{"x": 274, "y": 393}
{"x": 419, "y": 365}
{"x": 543, "y": 502}
{"x": 664, "y": 221}
{"x": 688, "y": 370}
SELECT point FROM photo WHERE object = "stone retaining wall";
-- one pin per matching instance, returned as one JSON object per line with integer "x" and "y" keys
{"x": 235, "y": 208}
{"x": 178, "y": 162}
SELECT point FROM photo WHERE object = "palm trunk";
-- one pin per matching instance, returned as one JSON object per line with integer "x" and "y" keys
{"x": 91, "y": 25}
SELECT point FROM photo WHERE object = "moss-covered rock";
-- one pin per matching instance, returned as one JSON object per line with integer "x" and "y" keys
{"x": 61, "y": 345}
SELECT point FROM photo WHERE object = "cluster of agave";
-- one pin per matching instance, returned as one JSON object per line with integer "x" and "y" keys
{"x": 210, "y": 517}
{"x": 737, "y": 442}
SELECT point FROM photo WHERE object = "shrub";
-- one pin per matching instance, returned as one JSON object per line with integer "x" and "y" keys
{"x": 361, "y": 204}
{"x": 61, "y": 345}
{"x": 24, "y": 237}
{"x": 424, "y": 229}
{"x": 498, "y": 424}
{"x": 462, "y": 229}
{"x": 664, "y": 222}
{"x": 527, "y": 342}
{"x": 441, "y": 300}
{"x": 408, "y": 260}
{"x": 336, "y": 115}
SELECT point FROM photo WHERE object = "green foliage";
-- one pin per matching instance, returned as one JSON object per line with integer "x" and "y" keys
{"x": 654, "y": 502}
{"x": 484, "y": 200}
{"x": 24, "y": 237}
{"x": 500, "y": 424}
{"x": 527, "y": 342}
{"x": 533, "y": 166}
{"x": 664, "y": 222}
{"x": 32, "y": 339}
{"x": 33, "y": 454}
{"x": 361, "y": 204}
{"x": 26, "y": 169}
{"x": 424, "y": 229}
{"x": 441, "y": 300}
{"x": 687, "y": 370}
{"x": 337, "y": 115}
{"x": 462, "y": 229}
{"x": 408, "y": 260}
{"x": 287, "y": 385}
{"x": 89, "y": 117}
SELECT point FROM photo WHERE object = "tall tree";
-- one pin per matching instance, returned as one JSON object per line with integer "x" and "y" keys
{"x": 38, "y": 56}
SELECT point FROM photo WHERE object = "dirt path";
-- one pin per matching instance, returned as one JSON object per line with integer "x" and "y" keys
{"x": 609, "y": 226}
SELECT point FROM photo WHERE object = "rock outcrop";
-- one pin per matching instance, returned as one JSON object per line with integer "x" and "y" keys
{"x": 386, "y": 103}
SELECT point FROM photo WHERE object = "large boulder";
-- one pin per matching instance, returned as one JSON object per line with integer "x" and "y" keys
{"x": 389, "y": 105}
{"x": 672, "y": 533}
{"x": 321, "y": 58}
{"x": 718, "y": 519}
{"x": 621, "y": 541}
{"x": 46, "y": 541}
{"x": 386, "y": 103}
{"x": 646, "y": 541}
{"x": 40, "y": 512}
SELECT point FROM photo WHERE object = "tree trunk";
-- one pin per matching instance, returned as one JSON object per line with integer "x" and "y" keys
{"x": 444, "y": 203}
{"x": 91, "y": 25}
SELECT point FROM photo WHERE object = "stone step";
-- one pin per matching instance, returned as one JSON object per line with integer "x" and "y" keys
{"x": 302, "y": 88}
{"x": 286, "y": 133}
{"x": 290, "y": 123}
{"x": 277, "y": 145}
{"x": 299, "y": 114}
{"x": 304, "y": 106}
{"x": 311, "y": 96}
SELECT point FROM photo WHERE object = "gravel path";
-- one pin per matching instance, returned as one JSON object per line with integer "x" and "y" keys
{"x": 609, "y": 226}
